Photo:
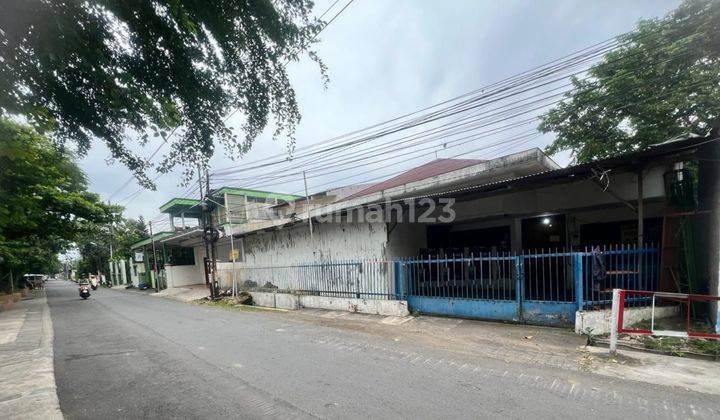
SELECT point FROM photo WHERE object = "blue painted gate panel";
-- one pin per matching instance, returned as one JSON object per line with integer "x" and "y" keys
{"x": 465, "y": 308}
{"x": 533, "y": 288}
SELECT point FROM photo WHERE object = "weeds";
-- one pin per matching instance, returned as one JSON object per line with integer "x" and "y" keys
{"x": 590, "y": 337}
{"x": 711, "y": 347}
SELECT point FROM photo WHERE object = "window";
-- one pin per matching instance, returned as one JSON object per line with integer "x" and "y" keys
{"x": 181, "y": 256}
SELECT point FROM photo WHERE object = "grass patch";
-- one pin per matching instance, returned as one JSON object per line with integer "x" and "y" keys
{"x": 681, "y": 346}
{"x": 671, "y": 345}
{"x": 231, "y": 305}
{"x": 710, "y": 347}
{"x": 642, "y": 325}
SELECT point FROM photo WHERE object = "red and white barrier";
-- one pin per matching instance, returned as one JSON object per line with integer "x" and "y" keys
{"x": 618, "y": 309}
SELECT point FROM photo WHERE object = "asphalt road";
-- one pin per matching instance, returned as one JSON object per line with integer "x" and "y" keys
{"x": 125, "y": 355}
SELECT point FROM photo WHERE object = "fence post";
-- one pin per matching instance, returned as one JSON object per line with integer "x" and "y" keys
{"x": 615, "y": 314}
{"x": 399, "y": 280}
{"x": 578, "y": 279}
{"x": 519, "y": 277}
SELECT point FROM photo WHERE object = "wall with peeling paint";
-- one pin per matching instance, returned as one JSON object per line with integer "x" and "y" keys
{"x": 405, "y": 240}
{"x": 331, "y": 241}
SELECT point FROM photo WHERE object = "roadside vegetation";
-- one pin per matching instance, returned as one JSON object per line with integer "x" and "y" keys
{"x": 661, "y": 84}
{"x": 676, "y": 346}
{"x": 46, "y": 210}
{"x": 121, "y": 73}
{"x": 44, "y": 203}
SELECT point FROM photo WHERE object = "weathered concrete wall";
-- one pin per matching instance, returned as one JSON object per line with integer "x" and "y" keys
{"x": 266, "y": 300}
{"x": 365, "y": 306}
{"x": 331, "y": 241}
{"x": 287, "y": 301}
{"x": 599, "y": 321}
{"x": 135, "y": 273}
{"x": 224, "y": 275}
{"x": 405, "y": 240}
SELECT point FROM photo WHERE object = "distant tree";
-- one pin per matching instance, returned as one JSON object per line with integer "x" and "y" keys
{"x": 44, "y": 202}
{"x": 663, "y": 82}
{"x": 96, "y": 239}
{"x": 85, "y": 70}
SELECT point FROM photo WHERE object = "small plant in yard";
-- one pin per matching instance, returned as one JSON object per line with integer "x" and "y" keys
{"x": 590, "y": 337}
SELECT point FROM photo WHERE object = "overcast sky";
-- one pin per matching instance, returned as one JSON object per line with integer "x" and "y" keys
{"x": 387, "y": 58}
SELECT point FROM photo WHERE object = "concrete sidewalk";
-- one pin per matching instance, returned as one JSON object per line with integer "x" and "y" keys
{"x": 27, "y": 377}
{"x": 185, "y": 294}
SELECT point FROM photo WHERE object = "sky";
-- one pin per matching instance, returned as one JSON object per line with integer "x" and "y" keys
{"x": 387, "y": 58}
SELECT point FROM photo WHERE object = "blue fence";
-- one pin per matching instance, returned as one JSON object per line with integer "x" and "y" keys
{"x": 544, "y": 286}
{"x": 622, "y": 267}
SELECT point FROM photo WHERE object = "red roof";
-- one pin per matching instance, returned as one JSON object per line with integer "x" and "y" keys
{"x": 428, "y": 170}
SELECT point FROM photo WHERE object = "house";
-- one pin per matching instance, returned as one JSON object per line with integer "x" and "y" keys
{"x": 512, "y": 238}
{"x": 180, "y": 252}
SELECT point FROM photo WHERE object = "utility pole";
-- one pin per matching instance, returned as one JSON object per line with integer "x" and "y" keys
{"x": 213, "y": 237}
{"x": 202, "y": 226}
{"x": 210, "y": 237}
{"x": 155, "y": 269}
{"x": 307, "y": 202}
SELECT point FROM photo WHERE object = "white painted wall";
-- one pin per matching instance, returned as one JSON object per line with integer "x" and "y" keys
{"x": 140, "y": 267}
{"x": 366, "y": 306}
{"x": 599, "y": 322}
{"x": 117, "y": 273}
{"x": 123, "y": 273}
{"x": 183, "y": 275}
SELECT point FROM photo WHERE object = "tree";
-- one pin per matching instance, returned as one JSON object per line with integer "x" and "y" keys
{"x": 95, "y": 241}
{"x": 44, "y": 202}
{"x": 85, "y": 70}
{"x": 663, "y": 81}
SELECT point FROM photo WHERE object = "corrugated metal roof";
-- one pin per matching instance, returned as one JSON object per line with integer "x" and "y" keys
{"x": 574, "y": 172}
{"x": 157, "y": 236}
{"x": 255, "y": 193}
{"x": 428, "y": 170}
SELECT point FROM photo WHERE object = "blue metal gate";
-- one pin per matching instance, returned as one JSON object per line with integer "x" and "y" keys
{"x": 541, "y": 288}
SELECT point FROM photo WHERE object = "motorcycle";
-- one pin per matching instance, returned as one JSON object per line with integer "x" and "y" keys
{"x": 84, "y": 291}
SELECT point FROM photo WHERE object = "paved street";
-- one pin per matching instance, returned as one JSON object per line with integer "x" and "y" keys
{"x": 130, "y": 355}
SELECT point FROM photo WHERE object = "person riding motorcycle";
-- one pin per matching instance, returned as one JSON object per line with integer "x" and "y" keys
{"x": 84, "y": 288}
